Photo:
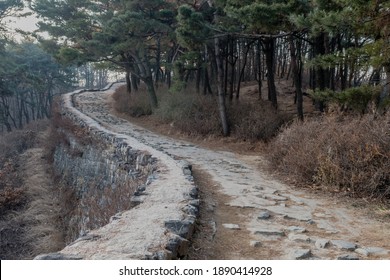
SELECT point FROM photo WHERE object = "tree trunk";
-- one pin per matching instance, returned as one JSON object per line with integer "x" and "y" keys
{"x": 242, "y": 70}
{"x": 151, "y": 91}
{"x": 128, "y": 82}
{"x": 158, "y": 61}
{"x": 297, "y": 73}
{"x": 232, "y": 63}
{"x": 4, "y": 110}
{"x": 134, "y": 82}
{"x": 26, "y": 111}
{"x": 20, "y": 110}
{"x": 320, "y": 73}
{"x": 221, "y": 94}
{"x": 226, "y": 74}
{"x": 269, "y": 49}
{"x": 198, "y": 78}
{"x": 7, "y": 125}
{"x": 385, "y": 94}
{"x": 259, "y": 68}
{"x": 206, "y": 85}
{"x": 146, "y": 76}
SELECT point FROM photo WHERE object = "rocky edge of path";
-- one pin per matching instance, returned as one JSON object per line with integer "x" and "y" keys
{"x": 159, "y": 227}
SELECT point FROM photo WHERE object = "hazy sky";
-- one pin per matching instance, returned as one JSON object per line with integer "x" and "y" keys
{"x": 26, "y": 24}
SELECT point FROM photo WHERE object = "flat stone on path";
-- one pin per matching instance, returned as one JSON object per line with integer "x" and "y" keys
{"x": 299, "y": 254}
{"x": 247, "y": 201}
{"x": 326, "y": 225}
{"x": 255, "y": 243}
{"x": 231, "y": 226}
{"x": 322, "y": 243}
{"x": 275, "y": 197}
{"x": 348, "y": 257}
{"x": 372, "y": 251}
{"x": 344, "y": 245}
{"x": 264, "y": 215}
{"x": 57, "y": 256}
{"x": 296, "y": 229}
{"x": 298, "y": 237}
{"x": 270, "y": 232}
{"x": 299, "y": 213}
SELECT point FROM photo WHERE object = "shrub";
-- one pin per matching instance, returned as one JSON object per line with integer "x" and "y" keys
{"x": 16, "y": 142}
{"x": 191, "y": 113}
{"x": 174, "y": 106}
{"x": 198, "y": 115}
{"x": 135, "y": 104}
{"x": 12, "y": 145}
{"x": 11, "y": 199}
{"x": 355, "y": 99}
{"x": 255, "y": 121}
{"x": 342, "y": 154}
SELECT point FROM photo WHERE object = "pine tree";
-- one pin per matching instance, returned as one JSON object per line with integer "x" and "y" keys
{"x": 8, "y": 8}
{"x": 266, "y": 19}
{"x": 349, "y": 45}
{"x": 126, "y": 33}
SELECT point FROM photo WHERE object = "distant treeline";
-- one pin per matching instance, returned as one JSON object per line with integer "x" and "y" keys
{"x": 324, "y": 47}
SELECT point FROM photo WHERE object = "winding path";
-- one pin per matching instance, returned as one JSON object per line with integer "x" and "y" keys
{"x": 270, "y": 219}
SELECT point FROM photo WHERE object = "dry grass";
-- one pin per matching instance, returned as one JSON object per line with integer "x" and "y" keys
{"x": 12, "y": 145}
{"x": 343, "y": 154}
{"x": 11, "y": 199}
{"x": 197, "y": 115}
{"x": 256, "y": 121}
{"x": 189, "y": 112}
{"x": 16, "y": 142}
{"x": 29, "y": 211}
{"x": 134, "y": 104}
{"x": 43, "y": 212}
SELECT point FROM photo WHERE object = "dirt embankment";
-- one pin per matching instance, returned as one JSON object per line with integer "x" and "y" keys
{"x": 30, "y": 220}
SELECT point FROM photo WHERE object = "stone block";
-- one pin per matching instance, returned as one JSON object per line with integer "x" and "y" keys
{"x": 183, "y": 228}
{"x": 344, "y": 245}
{"x": 57, "y": 256}
{"x": 299, "y": 254}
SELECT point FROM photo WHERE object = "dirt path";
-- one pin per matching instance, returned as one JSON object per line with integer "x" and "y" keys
{"x": 248, "y": 215}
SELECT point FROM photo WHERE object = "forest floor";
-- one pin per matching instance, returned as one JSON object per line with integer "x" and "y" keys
{"x": 247, "y": 212}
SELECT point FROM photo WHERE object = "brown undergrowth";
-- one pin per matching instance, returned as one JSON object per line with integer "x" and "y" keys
{"x": 28, "y": 209}
{"x": 340, "y": 154}
{"x": 197, "y": 115}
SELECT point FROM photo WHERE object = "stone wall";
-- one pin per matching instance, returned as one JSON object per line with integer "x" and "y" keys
{"x": 123, "y": 189}
{"x": 101, "y": 176}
